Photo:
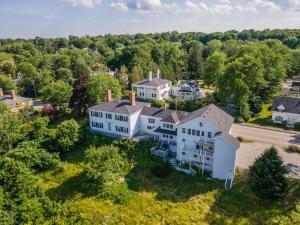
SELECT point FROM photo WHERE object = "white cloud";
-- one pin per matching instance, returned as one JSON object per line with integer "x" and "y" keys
{"x": 145, "y": 5}
{"x": 119, "y": 5}
{"x": 222, "y": 8}
{"x": 85, "y": 3}
{"x": 269, "y": 5}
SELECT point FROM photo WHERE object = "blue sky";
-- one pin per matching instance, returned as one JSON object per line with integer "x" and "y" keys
{"x": 58, "y": 18}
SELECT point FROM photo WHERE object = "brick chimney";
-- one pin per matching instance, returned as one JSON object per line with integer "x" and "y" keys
{"x": 132, "y": 98}
{"x": 1, "y": 92}
{"x": 108, "y": 95}
{"x": 150, "y": 75}
{"x": 13, "y": 94}
{"x": 158, "y": 74}
{"x": 165, "y": 106}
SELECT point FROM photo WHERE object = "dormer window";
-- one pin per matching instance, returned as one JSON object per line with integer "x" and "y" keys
{"x": 200, "y": 124}
{"x": 281, "y": 108}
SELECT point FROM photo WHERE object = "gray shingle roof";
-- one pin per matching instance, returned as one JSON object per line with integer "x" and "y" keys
{"x": 230, "y": 139}
{"x": 120, "y": 106}
{"x": 154, "y": 82}
{"x": 6, "y": 99}
{"x": 291, "y": 105}
{"x": 168, "y": 116}
{"x": 214, "y": 115}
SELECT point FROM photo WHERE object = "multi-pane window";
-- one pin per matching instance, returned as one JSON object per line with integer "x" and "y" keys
{"x": 193, "y": 132}
{"x": 149, "y": 127}
{"x": 209, "y": 134}
{"x": 198, "y": 133}
{"x": 183, "y": 130}
{"x": 108, "y": 116}
{"x": 122, "y": 129}
{"x": 153, "y": 95}
{"x": 96, "y": 114}
{"x": 200, "y": 124}
{"x": 97, "y": 125}
{"x": 189, "y": 131}
{"x": 150, "y": 120}
{"x": 121, "y": 118}
{"x": 202, "y": 133}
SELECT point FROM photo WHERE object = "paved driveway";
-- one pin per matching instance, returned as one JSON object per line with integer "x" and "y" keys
{"x": 264, "y": 139}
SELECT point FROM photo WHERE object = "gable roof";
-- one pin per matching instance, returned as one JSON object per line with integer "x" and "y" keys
{"x": 291, "y": 105}
{"x": 214, "y": 115}
{"x": 120, "y": 106}
{"x": 235, "y": 142}
{"x": 154, "y": 82}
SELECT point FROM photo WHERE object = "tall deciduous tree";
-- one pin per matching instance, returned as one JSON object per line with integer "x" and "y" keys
{"x": 99, "y": 84}
{"x": 58, "y": 93}
{"x": 214, "y": 68}
{"x": 79, "y": 101}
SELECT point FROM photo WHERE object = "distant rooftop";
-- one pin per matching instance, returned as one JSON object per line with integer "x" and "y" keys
{"x": 155, "y": 82}
{"x": 120, "y": 106}
{"x": 6, "y": 99}
{"x": 287, "y": 104}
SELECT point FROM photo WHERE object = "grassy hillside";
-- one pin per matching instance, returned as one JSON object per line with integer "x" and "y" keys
{"x": 142, "y": 198}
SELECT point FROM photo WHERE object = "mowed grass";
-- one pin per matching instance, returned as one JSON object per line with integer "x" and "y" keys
{"x": 177, "y": 199}
{"x": 264, "y": 118}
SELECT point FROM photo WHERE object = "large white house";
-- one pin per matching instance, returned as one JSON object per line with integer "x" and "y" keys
{"x": 187, "y": 90}
{"x": 201, "y": 138}
{"x": 153, "y": 88}
{"x": 286, "y": 109}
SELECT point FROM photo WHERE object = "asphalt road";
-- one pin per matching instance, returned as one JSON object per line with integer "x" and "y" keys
{"x": 264, "y": 139}
{"x": 261, "y": 135}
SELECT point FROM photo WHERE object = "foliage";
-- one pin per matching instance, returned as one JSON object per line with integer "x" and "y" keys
{"x": 267, "y": 175}
{"x": 67, "y": 134}
{"x": 104, "y": 165}
{"x": 7, "y": 84}
{"x": 157, "y": 103}
{"x": 33, "y": 156}
{"x": 99, "y": 84}
{"x": 79, "y": 101}
{"x": 293, "y": 148}
{"x": 10, "y": 132}
{"x": 161, "y": 170}
{"x": 58, "y": 93}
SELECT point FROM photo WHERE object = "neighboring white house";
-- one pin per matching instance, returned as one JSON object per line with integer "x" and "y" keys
{"x": 153, "y": 88}
{"x": 187, "y": 90}
{"x": 286, "y": 109}
{"x": 201, "y": 138}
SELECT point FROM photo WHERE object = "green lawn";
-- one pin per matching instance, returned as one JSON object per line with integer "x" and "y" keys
{"x": 264, "y": 118}
{"x": 144, "y": 199}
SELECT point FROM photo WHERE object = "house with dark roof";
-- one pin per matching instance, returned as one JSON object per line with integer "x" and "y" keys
{"x": 153, "y": 88}
{"x": 187, "y": 90}
{"x": 14, "y": 102}
{"x": 201, "y": 138}
{"x": 286, "y": 110}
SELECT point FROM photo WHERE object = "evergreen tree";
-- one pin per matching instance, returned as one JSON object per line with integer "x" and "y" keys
{"x": 267, "y": 175}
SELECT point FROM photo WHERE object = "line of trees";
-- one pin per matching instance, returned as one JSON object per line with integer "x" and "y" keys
{"x": 245, "y": 68}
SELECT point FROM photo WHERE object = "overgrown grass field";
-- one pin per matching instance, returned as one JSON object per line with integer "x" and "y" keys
{"x": 142, "y": 198}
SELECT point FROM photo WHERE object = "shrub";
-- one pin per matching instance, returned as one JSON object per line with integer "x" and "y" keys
{"x": 161, "y": 170}
{"x": 267, "y": 175}
{"x": 67, "y": 134}
{"x": 293, "y": 148}
{"x": 104, "y": 165}
{"x": 157, "y": 103}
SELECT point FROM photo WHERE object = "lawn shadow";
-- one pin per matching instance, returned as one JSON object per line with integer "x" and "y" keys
{"x": 177, "y": 187}
{"x": 71, "y": 187}
{"x": 240, "y": 205}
